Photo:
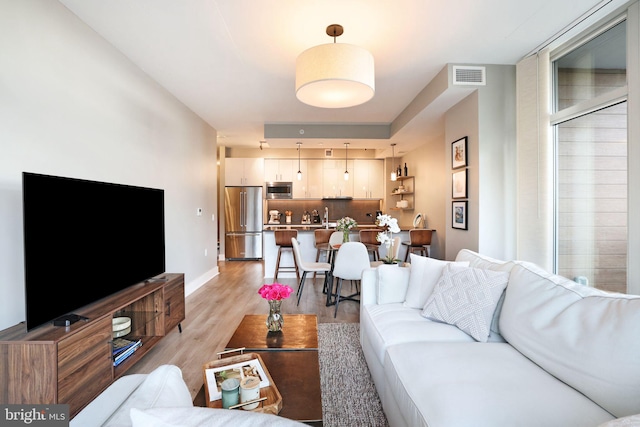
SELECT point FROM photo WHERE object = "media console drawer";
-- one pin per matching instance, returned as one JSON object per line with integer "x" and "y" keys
{"x": 85, "y": 366}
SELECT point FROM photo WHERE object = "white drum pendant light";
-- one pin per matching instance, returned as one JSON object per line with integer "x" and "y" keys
{"x": 335, "y": 75}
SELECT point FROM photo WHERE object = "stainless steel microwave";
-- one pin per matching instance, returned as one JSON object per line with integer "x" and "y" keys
{"x": 278, "y": 190}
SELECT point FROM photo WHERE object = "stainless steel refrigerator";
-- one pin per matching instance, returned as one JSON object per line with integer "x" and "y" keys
{"x": 243, "y": 222}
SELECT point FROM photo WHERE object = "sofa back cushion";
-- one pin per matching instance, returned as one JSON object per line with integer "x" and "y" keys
{"x": 587, "y": 338}
{"x": 425, "y": 273}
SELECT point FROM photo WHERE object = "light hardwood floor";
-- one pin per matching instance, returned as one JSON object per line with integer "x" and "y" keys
{"x": 215, "y": 310}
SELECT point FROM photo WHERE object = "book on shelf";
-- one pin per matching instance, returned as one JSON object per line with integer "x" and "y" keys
{"x": 128, "y": 351}
{"x": 122, "y": 344}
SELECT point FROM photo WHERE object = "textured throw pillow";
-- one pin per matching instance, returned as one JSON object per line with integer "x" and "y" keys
{"x": 424, "y": 275}
{"x": 467, "y": 298}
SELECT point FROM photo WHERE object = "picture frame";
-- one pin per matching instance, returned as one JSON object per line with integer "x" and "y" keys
{"x": 459, "y": 153}
{"x": 459, "y": 184}
{"x": 459, "y": 215}
{"x": 216, "y": 375}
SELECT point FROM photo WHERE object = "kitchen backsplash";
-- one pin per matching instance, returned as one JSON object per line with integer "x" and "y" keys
{"x": 356, "y": 209}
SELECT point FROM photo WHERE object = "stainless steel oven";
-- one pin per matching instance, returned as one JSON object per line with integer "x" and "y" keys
{"x": 278, "y": 190}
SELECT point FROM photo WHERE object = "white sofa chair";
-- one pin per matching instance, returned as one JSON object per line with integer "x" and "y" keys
{"x": 551, "y": 352}
{"x": 162, "y": 399}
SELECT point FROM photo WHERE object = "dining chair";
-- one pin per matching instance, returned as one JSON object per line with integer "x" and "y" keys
{"x": 283, "y": 241}
{"x": 369, "y": 238}
{"x": 350, "y": 261}
{"x": 335, "y": 238}
{"x": 306, "y": 267}
{"x": 419, "y": 239}
{"x": 320, "y": 237}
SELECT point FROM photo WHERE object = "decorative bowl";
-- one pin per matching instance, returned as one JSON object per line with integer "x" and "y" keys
{"x": 121, "y": 323}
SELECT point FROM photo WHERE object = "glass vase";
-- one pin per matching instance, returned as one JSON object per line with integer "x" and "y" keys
{"x": 345, "y": 236}
{"x": 274, "y": 319}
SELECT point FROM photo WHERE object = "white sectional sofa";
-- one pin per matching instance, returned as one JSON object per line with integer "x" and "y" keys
{"x": 484, "y": 342}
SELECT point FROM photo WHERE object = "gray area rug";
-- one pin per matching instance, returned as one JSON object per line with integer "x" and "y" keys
{"x": 349, "y": 397}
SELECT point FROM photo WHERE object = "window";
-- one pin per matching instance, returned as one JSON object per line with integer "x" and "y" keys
{"x": 590, "y": 124}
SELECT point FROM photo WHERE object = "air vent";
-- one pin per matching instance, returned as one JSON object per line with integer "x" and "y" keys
{"x": 469, "y": 75}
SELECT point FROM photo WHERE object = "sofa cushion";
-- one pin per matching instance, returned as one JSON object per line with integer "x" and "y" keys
{"x": 391, "y": 324}
{"x": 206, "y": 417}
{"x": 466, "y": 297}
{"x": 587, "y": 338}
{"x": 425, "y": 273}
{"x": 392, "y": 283}
{"x": 480, "y": 384}
{"x": 630, "y": 421}
{"x": 164, "y": 387}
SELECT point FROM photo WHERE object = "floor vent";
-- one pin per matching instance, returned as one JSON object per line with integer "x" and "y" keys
{"x": 469, "y": 75}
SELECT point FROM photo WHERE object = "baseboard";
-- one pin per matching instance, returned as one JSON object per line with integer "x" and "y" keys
{"x": 199, "y": 281}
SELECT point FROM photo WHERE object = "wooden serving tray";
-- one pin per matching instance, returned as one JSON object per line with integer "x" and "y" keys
{"x": 273, "y": 402}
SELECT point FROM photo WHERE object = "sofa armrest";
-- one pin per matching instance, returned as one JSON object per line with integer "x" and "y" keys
{"x": 368, "y": 286}
{"x": 385, "y": 284}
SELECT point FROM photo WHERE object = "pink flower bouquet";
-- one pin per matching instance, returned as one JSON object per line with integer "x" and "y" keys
{"x": 275, "y": 291}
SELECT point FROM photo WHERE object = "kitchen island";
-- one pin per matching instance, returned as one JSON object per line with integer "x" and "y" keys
{"x": 307, "y": 245}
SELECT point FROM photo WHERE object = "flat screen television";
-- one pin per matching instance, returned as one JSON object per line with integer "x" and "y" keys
{"x": 85, "y": 240}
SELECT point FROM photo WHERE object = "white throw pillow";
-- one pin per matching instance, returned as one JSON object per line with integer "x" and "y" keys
{"x": 467, "y": 298}
{"x": 163, "y": 387}
{"x": 425, "y": 273}
{"x": 206, "y": 417}
{"x": 392, "y": 283}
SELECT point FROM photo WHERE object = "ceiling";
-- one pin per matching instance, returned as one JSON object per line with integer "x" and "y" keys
{"x": 233, "y": 61}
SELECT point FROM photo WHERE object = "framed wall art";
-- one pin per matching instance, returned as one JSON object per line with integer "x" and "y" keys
{"x": 459, "y": 215}
{"x": 459, "y": 153}
{"x": 459, "y": 185}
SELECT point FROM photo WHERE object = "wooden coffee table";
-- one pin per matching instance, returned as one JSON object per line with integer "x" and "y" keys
{"x": 291, "y": 356}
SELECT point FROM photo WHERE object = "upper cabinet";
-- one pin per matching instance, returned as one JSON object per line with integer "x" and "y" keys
{"x": 310, "y": 186}
{"x": 279, "y": 170}
{"x": 333, "y": 182}
{"x": 244, "y": 171}
{"x": 368, "y": 179}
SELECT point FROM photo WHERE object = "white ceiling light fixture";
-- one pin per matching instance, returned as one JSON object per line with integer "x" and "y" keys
{"x": 299, "y": 170}
{"x": 394, "y": 176}
{"x": 346, "y": 169}
{"x": 335, "y": 75}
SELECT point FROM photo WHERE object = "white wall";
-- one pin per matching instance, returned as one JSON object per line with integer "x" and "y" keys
{"x": 487, "y": 117}
{"x": 71, "y": 105}
{"x": 432, "y": 192}
{"x": 461, "y": 121}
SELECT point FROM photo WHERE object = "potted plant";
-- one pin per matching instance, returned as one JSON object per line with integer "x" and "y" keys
{"x": 345, "y": 224}
{"x": 385, "y": 237}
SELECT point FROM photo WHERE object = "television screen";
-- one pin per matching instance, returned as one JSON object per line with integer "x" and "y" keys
{"x": 85, "y": 240}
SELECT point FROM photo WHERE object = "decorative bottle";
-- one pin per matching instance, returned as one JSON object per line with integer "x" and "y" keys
{"x": 405, "y": 170}
{"x": 399, "y": 171}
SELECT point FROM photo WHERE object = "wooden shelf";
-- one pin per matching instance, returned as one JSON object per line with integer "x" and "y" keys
{"x": 75, "y": 363}
{"x": 411, "y": 183}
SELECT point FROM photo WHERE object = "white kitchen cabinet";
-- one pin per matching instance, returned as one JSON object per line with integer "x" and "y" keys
{"x": 244, "y": 171}
{"x": 368, "y": 180}
{"x": 310, "y": 186}
{"x": 279, "y": 170}
{"x": 334, "y": 184}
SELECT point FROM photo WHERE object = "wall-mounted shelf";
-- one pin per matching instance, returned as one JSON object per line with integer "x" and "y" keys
{"x": 409, "y": 183}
